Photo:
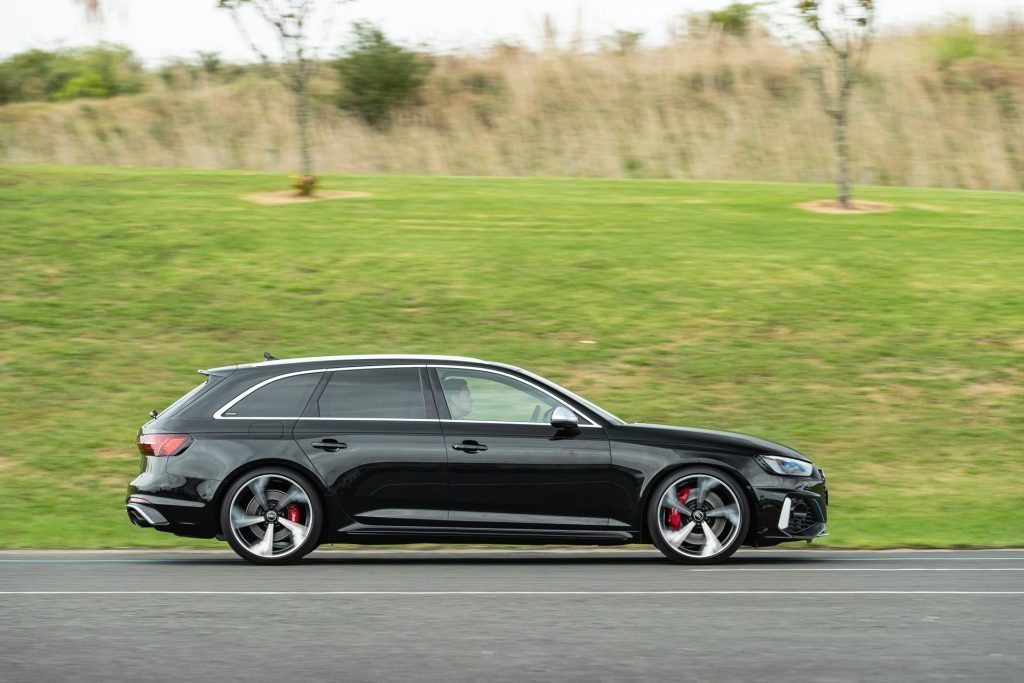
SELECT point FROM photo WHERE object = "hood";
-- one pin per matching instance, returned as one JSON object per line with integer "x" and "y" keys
{"x": 704, "y": 437}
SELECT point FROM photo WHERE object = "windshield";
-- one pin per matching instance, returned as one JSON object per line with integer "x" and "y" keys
{"x": 576, "y": 397}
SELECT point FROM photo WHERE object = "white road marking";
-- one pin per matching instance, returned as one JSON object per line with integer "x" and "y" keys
{"x": 455, "y": 593}
{"x": 865, "y": 569}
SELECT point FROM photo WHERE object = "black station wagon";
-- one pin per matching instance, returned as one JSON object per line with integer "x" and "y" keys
{"x": 280, "y": 456}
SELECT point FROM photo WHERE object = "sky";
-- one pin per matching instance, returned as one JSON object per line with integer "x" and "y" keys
{"x": 159, "y": 30}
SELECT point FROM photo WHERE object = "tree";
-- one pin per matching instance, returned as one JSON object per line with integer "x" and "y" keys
{"x": 290, "y": 21}
{"x": 378, "y": 76}
{"x": 846, "y": 31}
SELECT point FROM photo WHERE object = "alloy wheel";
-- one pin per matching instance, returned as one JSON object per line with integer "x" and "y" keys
{"x": 699, "y": 516}
{"x": 271, "y": 516}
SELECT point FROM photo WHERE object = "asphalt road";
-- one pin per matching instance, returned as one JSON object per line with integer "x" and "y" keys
{"x": 512, "y": 615}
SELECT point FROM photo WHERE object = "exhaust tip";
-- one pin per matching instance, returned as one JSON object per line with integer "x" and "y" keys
{"x": 144, "y": 516}
{"x": 136, "y": 518}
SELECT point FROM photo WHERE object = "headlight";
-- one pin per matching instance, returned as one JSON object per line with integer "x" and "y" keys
{"x": 790, "y": 467}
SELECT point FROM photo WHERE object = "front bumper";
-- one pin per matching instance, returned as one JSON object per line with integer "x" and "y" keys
{"x": 791, "y": 513}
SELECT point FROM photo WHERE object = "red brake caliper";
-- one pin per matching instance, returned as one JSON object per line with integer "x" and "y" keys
{"x": 675, "y": 520}
{"x": 292, "y": 512}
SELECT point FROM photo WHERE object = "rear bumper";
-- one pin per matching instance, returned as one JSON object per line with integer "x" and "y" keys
{"x": 164, "y": 501}
{"x": 184, "y": 518}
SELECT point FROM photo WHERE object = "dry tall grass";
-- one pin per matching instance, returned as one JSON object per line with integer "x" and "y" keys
{"x": 704, "y": 109}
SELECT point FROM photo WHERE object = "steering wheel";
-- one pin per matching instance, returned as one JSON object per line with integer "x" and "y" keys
{"x": 536, "y": 414}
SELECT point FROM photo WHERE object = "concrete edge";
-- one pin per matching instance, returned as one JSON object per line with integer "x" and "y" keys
{"x": 389, "y": 550}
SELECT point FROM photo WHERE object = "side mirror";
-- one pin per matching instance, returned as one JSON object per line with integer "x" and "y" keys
{"x": 563, "y": 418}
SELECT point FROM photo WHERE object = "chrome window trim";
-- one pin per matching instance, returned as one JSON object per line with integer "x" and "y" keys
{"x": 333, "y": 359}
{"x": 535, "y": 424}
{"x": 346, "y": 419}
{"x": 408, "y": 419}
{"x": 372, "y": 419}
{"x": 219, "y": 415}
{"x": 590, "y": 422}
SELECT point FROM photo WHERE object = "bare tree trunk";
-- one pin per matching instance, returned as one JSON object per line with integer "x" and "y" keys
{"x": 841, "y": 117}
{"x": 842, "y": 157}
{"x": 298, "y": 82}
{"x": 302, "y": 119}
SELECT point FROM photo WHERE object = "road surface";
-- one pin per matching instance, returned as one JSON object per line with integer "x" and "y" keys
{"x": 587, "y": 615}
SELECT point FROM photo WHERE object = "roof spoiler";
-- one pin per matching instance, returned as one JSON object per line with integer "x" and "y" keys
{"x": 218, "y": 372}
{"x": 228, "y": 369}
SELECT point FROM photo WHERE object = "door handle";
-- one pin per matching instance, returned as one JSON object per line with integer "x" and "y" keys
{"x": 329, "y": 445}
{"x": 470, "y": 447}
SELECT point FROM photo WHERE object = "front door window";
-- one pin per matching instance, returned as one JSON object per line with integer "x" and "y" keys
{"x": 479, "y": 396}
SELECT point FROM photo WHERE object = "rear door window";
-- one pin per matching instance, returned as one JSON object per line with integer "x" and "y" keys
{"x": 374, "y": 394}
{"x": 282, "y": 398}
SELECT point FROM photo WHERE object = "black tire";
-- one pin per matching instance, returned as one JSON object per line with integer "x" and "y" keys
{"x": 737, "y": 530}
{"x": 308, "y": 504}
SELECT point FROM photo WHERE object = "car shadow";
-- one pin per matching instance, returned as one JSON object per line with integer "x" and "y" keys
{"x": 464, "y": 558}
{"x": 537, "y": 559}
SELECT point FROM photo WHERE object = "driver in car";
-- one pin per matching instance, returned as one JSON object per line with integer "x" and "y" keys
{"x": 460, "y": 401}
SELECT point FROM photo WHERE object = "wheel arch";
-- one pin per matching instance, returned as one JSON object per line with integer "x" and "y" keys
{"x": 670, "y": 470}
{"x": 321, "y": 491}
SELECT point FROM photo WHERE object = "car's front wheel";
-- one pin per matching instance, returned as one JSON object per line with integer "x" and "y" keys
{"x": 698, "y": 516}
{"x": 272, "y": 516}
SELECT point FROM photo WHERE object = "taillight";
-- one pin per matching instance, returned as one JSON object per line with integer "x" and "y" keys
{"x": 164, "y": 444}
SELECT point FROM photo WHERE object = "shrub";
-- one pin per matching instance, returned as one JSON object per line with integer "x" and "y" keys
{"x": 100, "y": 71}
{"x": 624, "y": 42}
{"x": 957, "y": 40}
{"x": 210, "y": 62}
{"x": 482, "y": 83}
{"x": 735, "y": 19}
{"x": 377, "y": 76}
{"x": 305, "y": 184}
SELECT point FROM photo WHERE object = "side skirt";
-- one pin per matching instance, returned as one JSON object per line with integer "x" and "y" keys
{"x": 362, "y": 533}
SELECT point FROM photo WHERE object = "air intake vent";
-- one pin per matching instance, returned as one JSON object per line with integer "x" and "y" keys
{"x": 801, "y": 517}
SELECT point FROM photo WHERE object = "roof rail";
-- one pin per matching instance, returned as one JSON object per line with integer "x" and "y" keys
{"x": 328, "y": 359}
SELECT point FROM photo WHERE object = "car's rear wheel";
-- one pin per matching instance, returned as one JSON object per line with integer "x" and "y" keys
{"x": 272, "y": 516}
{"x": 698, "y": 516}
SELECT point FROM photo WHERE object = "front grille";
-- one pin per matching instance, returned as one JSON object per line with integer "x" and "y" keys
{"x": 801, "y": 517}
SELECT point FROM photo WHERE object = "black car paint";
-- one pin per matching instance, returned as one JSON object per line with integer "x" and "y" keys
{"x": 398, "y": 482}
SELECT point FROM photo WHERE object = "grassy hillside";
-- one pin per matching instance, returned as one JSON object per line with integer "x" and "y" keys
{"x": 887, "y": 346}
{"x": 941, "y": 107}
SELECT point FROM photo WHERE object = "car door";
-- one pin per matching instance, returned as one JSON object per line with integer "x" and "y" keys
{"x": 374, "y": 435}
{"x": 507, "y": 466}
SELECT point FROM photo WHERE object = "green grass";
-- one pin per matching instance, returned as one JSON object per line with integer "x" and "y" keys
{"x": 890, "y": 347}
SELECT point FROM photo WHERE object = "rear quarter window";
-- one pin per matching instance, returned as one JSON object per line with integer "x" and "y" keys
{"x": 191, "y": 397}
{"x": 283, "y": 398}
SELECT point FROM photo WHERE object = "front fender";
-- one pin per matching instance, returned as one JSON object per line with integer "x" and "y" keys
{"x": 638, "y": 468}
